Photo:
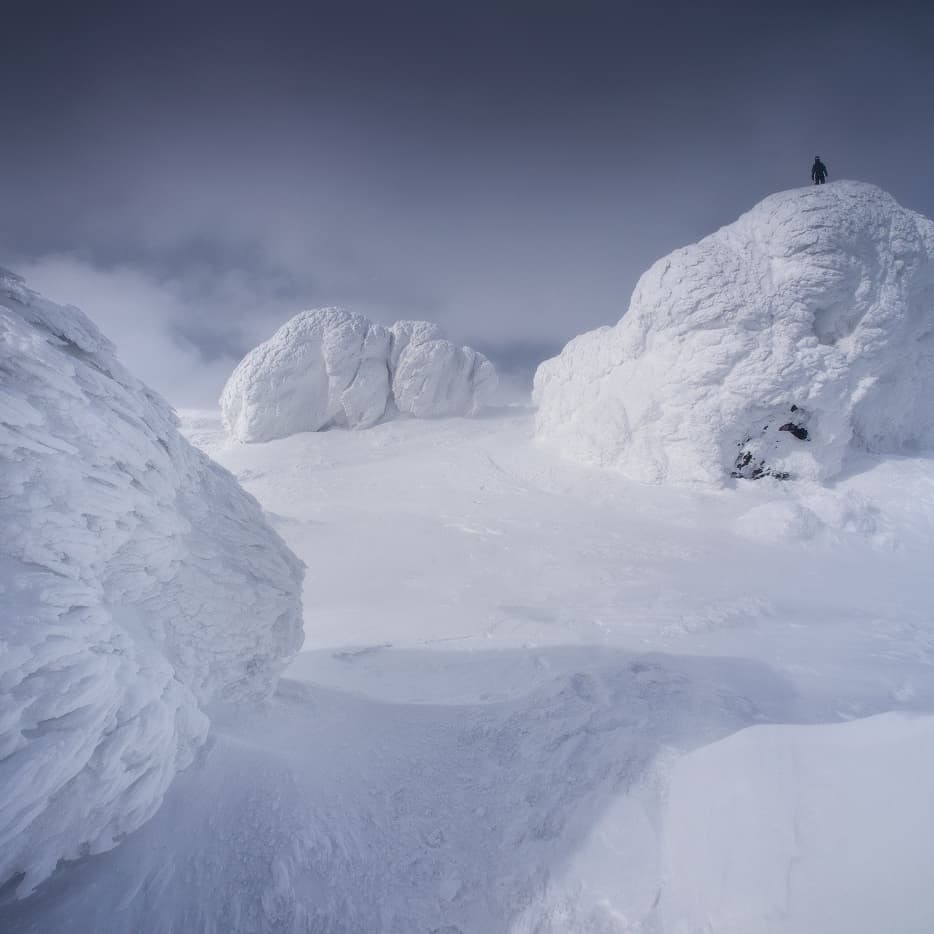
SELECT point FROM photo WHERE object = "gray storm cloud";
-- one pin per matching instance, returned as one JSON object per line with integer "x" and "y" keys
{"x": 507, "y": 170}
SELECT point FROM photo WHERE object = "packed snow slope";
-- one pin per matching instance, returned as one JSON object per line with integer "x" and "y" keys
{"x": 331, "y": 368}
{"x": 138, "y": 581}
{"x": 777, "y": 345}
{"x": 539, "y": 697}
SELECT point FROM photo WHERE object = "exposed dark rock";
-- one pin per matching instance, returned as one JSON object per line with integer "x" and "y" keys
{"x": 748, "y": 467}
{"x": 751, "y": 461}
{"x": 799, "y": 431}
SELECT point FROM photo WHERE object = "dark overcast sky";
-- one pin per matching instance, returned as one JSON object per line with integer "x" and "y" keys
{"x": 192, "y": 175}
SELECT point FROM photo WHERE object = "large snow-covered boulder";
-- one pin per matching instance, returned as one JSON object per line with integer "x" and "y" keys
{"x": 772, "y": 347}
{"x": 138, "y": 582}
{"x": 332, "y": 368}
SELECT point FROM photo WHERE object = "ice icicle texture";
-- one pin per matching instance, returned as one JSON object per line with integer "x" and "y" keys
{"x": 138, "y": 582}
{"x": 770, "y": 348}
{"x": 331, "y": 368}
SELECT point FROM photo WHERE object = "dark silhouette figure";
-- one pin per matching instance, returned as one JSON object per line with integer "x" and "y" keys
{"x": 818, "y": 171}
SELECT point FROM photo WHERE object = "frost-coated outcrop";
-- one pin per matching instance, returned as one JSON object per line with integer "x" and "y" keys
{"x": 332, "y": 368}
{"x": 138, "y": 582}
{"x": 772, "y": 347}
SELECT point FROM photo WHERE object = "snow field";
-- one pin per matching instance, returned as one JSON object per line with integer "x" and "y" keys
{"x": 500, "y": 747}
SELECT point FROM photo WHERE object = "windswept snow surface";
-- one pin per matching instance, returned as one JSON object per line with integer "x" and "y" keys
{"x": 799, "y": 333}
{"x": 538, "y": 697}
{"x": 816, "y": 823}
{"x": 138, "y": 583}
{"x": 331, "y": 368}
{"x": 773, "y": 830}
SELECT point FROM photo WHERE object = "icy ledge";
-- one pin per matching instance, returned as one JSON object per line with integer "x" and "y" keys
{"x": 772, "y": 347}
{"x": 138, "y": 582}
{"x": 331, "y": 368}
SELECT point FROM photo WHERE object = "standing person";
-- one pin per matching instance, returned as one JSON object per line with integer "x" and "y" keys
{"x": 818, "y": 171}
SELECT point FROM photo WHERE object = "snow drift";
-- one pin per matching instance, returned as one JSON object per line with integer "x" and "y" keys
{"x": 774, "y": 829}
{"x": 797, "y": 829}
{"x": 772, "y": 347}
{"x": 138, "y": 581}
{"x": 331, "y": 368}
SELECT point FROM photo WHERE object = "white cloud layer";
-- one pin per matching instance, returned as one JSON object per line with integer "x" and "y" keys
{"x": 146, "y": 317}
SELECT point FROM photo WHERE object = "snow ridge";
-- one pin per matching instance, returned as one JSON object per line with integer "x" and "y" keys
{"x": 138, "y": 581}
{"x": 332, "y": 368}
{"x": 770, "y": 348}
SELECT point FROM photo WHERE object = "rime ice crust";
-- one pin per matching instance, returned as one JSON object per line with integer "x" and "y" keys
{"x": 331, "y": 368}
{"x": 820, "y": 298}
{"x": 138, "y": 582}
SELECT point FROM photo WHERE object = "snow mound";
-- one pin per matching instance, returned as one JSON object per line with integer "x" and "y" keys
{"x": 797, "y": 829}
{"x": 770, "y": 348}
{"x": 138, "y": 582}
{"x": 775, "y": 829}
{"x": 332, "y": 368}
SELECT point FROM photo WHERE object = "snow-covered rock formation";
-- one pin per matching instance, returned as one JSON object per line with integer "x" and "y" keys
{"x": 331, "y": 368}
{"x": 138, "y": 581}
{"x": 772, "y": 347}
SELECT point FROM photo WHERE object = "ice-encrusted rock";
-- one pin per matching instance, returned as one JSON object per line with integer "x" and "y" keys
{"x": 332, "y": 368}
{"x": 411, "y": 332}
{"x": 138, "y": 582}
{"x": 437, "y": 378}
{"x": 772, "y": 347}
{"x": 321, "y": 368}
